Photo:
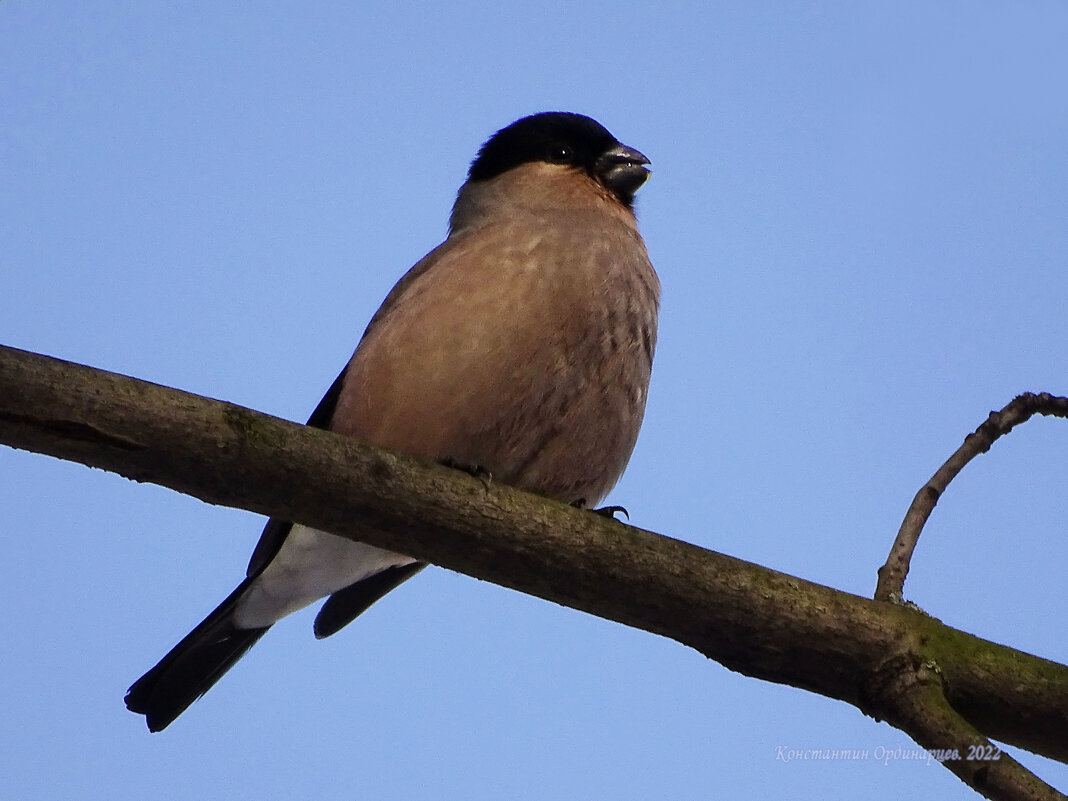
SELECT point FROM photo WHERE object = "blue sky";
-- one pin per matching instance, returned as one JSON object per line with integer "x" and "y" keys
{"x": 859, "y": 213}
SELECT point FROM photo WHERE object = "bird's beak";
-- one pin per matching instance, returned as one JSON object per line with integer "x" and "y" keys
{"x": 622, "y": 170}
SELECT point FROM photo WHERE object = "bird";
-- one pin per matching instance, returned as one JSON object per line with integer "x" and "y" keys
{"x": 521, "y": 347}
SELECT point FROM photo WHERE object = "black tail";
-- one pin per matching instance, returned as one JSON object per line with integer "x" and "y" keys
{"x": 193, "y": 666}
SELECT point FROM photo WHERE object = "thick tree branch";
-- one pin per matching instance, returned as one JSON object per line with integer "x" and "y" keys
{"x": 1021, "y": 409}
{"x": 920, "y": 707}
{"x": 750, "y": 619}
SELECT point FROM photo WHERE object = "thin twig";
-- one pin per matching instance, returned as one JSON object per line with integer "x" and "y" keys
{"x": 892, "y": 574}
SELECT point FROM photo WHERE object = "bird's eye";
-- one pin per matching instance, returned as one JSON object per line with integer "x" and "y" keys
{"x": 560, "y": 154}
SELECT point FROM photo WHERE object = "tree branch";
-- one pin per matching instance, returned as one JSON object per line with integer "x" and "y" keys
{"x": 1021, "y": 409}
{"x": 753, "y": 620}
{"x": 919, "y": 706}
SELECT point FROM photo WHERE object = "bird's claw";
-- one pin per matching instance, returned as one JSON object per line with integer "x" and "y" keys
{"x": 475, "y": 470}
{"x": 604, "y": 511}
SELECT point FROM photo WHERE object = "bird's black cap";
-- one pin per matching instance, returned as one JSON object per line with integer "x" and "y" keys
{"x": 559, "y": 137}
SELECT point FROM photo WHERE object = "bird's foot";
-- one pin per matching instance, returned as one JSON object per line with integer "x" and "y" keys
{"x": 604, "y": 511}
{"x": 475, "y": 470}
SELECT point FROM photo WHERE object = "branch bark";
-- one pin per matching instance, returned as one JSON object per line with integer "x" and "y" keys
{"x": 753, "y": 620}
